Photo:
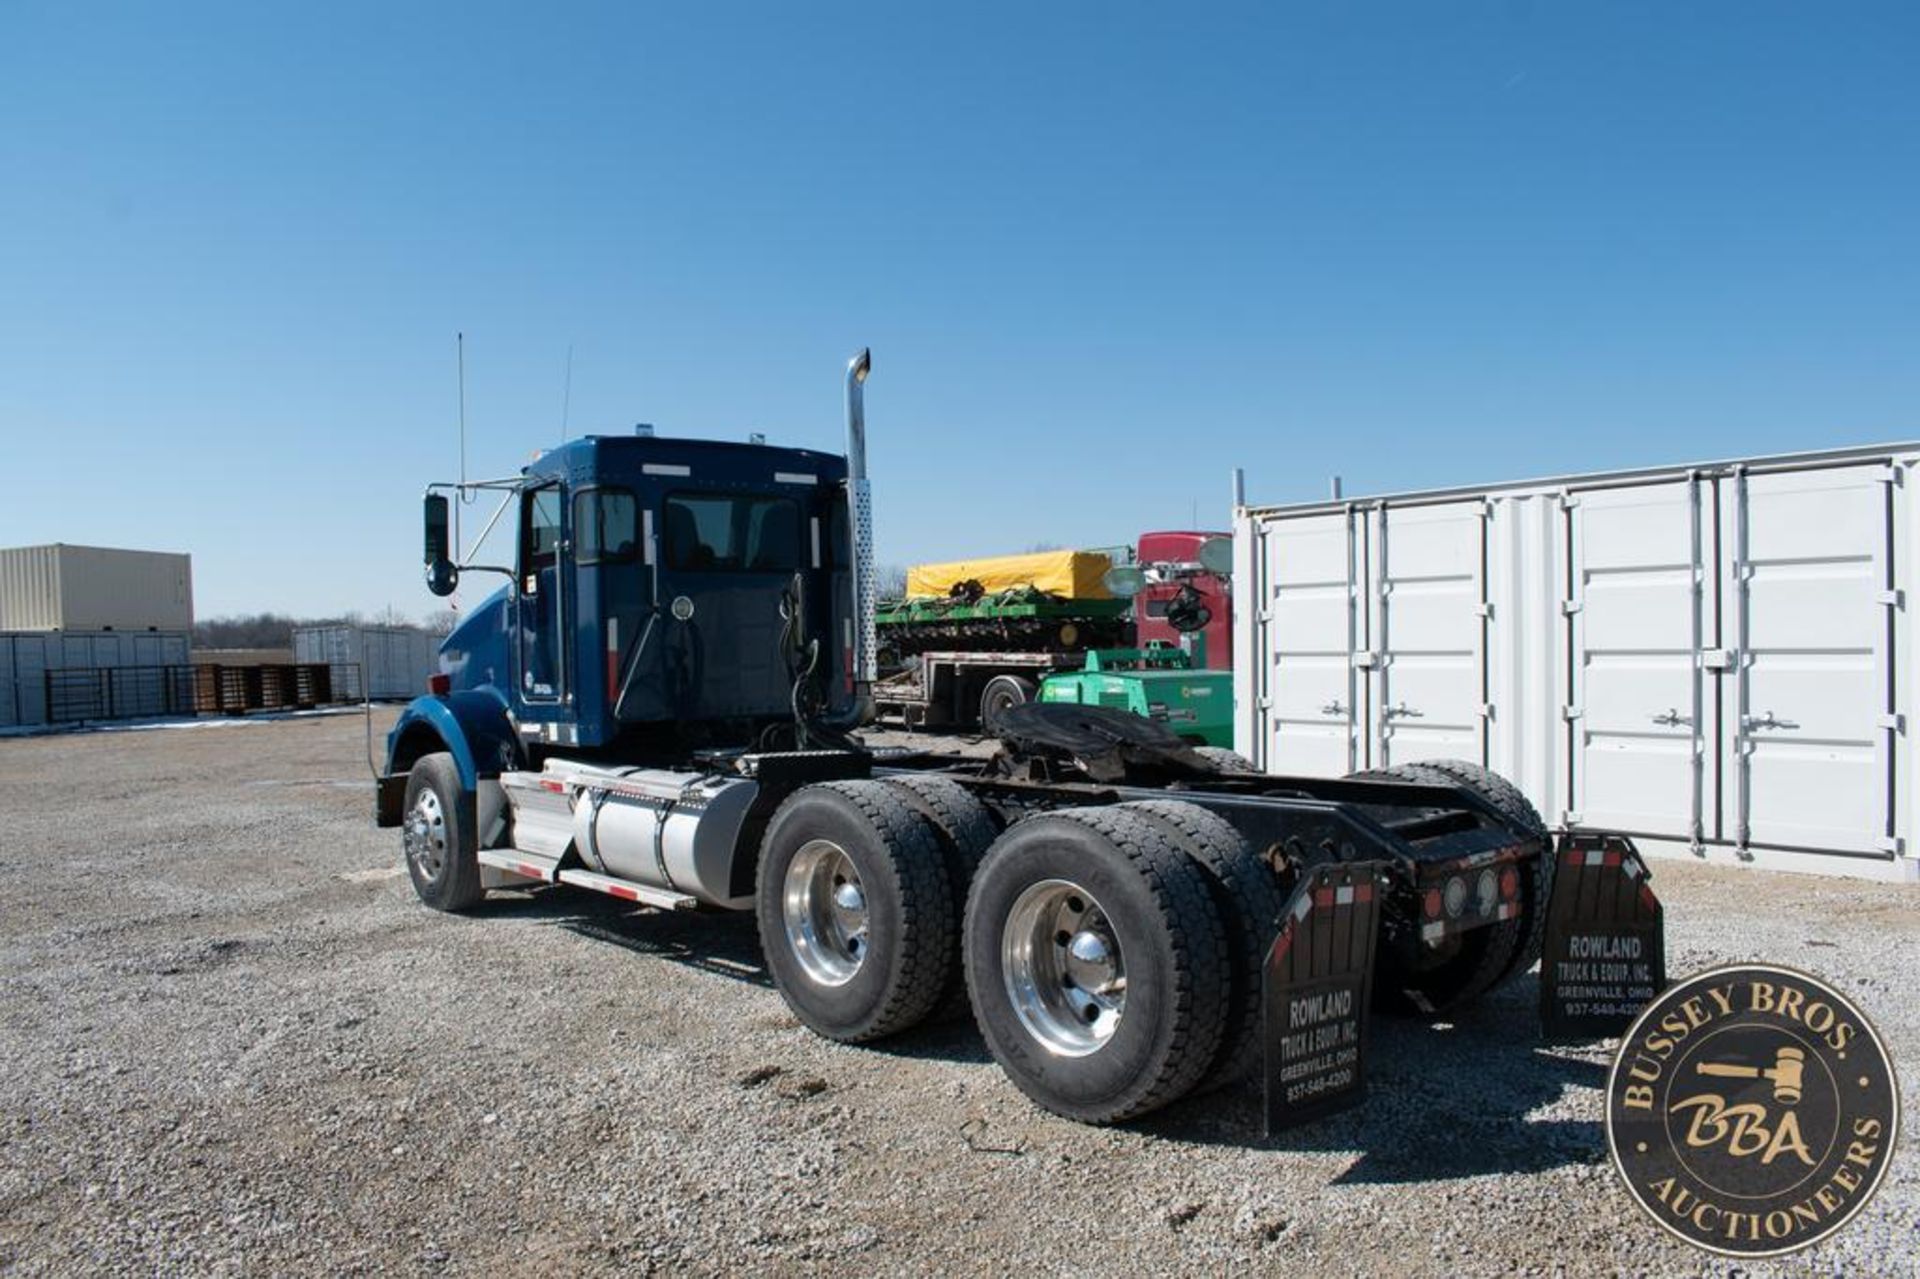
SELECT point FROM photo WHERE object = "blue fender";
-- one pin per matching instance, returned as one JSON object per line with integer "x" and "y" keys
{"x": 472, "y": 726}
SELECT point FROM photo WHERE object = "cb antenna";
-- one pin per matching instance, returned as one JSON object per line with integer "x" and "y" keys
{"x": 460, "y": 357}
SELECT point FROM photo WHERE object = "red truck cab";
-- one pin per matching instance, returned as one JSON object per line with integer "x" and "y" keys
{"x": 1150, "y": 606}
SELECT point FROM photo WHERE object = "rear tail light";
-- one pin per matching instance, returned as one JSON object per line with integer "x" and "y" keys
{"x": 1433, "y": 903}
{"x": 1509, "y": 884}
{"x": 440, "y": 685}
{"x": 1486, "y": 892}
{"x": 1455, "y": 896}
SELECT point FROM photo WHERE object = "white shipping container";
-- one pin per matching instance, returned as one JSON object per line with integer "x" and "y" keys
{"x": 26, "y": 657}
{"x": 1713, "y": 659}
{"x": 395, "y": 660}
{"x": 92, "y": 588}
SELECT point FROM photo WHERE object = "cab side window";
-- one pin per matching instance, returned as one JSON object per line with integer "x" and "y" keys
{"x": 539, "y": 533}
{"x": 604, "y": 526}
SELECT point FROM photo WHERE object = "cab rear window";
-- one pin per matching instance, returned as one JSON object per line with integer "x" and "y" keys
{"x": 719, "y": 533}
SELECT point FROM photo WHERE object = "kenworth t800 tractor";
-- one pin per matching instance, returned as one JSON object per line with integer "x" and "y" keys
{"x": 662, "y": 704}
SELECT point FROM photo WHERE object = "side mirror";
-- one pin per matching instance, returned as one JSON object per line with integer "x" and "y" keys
{"x": 442, "y": 576}
{"x": 1125, "y": 581}
{"x": 1216, "y": 556}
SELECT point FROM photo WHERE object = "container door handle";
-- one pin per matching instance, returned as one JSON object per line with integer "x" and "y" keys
{"x": 1770, "y": 720}
{"x": 1404, "y": 711}
{"x": 1673, "y": 718}
{"x": 1335, "y": 707}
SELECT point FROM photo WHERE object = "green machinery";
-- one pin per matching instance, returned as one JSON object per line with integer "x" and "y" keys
{"x": 1159, "y": 682}
{"x": 1019, "y": 618}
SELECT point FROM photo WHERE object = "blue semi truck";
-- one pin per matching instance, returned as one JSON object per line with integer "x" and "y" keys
{"x": 661, "y": 703}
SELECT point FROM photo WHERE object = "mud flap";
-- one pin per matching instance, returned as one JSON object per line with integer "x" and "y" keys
{"x": 1318, "y": 984}
{"x": 1605, "y": 955}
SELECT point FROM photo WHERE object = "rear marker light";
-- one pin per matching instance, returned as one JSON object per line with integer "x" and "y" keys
{"x": 1509, "y": 883}
{"x": 439, "y": 685}
{"x": 1433, "y": 903}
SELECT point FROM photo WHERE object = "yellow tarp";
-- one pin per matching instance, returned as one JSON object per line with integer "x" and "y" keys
{"x": 1073, "y": 574}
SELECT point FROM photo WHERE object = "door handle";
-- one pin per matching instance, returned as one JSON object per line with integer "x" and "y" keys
{"x": 1673, "y": 718}
{"x": 1333, "y": 708}
{"x": 1770, "y": 720}
{"x": 1404, "y": 711}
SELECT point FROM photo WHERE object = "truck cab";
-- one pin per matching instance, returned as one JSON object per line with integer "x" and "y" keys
{"x": 664, "y": 597}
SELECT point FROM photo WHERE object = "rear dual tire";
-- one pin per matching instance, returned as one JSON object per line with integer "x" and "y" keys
{"x": 1097, "y": 963}
{"x": 856, "y": 910}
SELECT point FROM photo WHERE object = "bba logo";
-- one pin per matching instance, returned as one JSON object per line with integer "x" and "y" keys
{"x": 1752, "y": 1110}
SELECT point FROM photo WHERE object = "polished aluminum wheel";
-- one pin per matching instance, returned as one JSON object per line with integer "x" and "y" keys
{"x": 1063, "y": 968}
{"x": 425, "y": 837}
{"x": 824, "y": 907}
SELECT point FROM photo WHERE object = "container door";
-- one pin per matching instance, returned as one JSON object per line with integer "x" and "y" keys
{"x": 1429, "y": 645}
{"x": 1312, "y": 619}
{"x": 30, "y": 654}
{"x": 1637, "y": 620}
{"x": 11, "y": 711}
{"x": 1811, "y": 716}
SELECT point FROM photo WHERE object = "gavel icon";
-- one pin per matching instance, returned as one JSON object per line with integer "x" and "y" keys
{"x": 1788, "y": 1073}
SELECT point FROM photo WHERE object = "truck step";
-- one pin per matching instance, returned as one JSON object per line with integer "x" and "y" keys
{"x": 517, "y": 861}
{"x": 627, "y": 890}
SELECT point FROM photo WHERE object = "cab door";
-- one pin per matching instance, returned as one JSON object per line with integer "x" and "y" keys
{"x": 541, "y": 598}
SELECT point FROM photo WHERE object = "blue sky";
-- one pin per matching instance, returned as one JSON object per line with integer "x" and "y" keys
{"x": 1103, "y": 254}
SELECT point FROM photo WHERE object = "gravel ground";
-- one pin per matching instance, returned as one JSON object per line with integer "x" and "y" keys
{"x": 231, "y": 1041}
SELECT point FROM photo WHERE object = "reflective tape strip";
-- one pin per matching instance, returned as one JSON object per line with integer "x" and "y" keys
{"x": 1433, "y": 932}
{"x": 1593, "y": 857}
{"x": 558, "y": 788}
{"x": 1301, "y": 907}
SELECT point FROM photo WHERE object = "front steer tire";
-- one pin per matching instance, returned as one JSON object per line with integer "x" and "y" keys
{"x": 437, "y": 832}
{"x": 1153, "y": 901}
{"x": 855, "y": 975}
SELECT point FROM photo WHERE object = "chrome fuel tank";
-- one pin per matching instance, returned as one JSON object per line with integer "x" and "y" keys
{"x": 670, "y": 830}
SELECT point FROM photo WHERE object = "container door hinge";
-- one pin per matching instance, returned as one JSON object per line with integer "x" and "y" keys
{"x": 1894, "y": 723}
{"x": 1718, "y": 659}
{"x": 1570, "y": 607}
{"x": 1894, "y": 599}
{"x": 1571, "y": 713}
{"x": 1366, "y": 661}
{"x": 1892, "y": 844}
{"x": 1484, "y": 610}
{"x": 1569, "y": 818}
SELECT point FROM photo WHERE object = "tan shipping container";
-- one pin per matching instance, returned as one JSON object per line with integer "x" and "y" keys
{"x": 93, "y": 588}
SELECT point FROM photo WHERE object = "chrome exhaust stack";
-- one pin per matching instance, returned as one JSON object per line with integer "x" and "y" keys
{"x": 863, "y": 643}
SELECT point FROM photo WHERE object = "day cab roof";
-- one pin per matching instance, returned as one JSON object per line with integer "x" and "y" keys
{"x": 647, "y": 460}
